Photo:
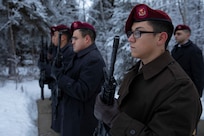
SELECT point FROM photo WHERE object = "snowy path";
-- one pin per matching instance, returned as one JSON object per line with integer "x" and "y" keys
{"x": 18, "y": 112}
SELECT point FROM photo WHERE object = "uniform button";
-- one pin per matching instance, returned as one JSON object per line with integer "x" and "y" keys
{"x": 132, "y": 132}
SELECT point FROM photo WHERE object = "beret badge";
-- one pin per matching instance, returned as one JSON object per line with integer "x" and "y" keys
{"x": 75, "y": 25}
{"x": 142, "y": 12}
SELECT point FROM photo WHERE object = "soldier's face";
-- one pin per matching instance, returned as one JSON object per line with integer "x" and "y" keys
{"x": 146, "y": 47}
{"x": 79, "y": 42}
{"x": 52, "y": 38}
{"x": 181, "y": 36}
{"x": 55, "y": 38}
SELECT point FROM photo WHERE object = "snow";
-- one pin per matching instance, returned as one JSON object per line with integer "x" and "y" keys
{"x": 18, "y": 112}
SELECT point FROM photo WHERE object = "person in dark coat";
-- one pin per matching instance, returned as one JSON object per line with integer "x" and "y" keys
{"x": 189, "y": 56}
{"x": 80, "y": 82}
{"x": 66, "y": 52}
{"x": 156, "y": 97}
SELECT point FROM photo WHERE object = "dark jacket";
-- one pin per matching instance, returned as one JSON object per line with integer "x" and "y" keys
{"x": 80, "y": 84}
{"x": 158, "y": 100}
{"x": 189, "y": 56}
{"x": 67, "y": 53}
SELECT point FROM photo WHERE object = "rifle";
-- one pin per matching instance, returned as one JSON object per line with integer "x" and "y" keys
{"x": 108, "y": 89}
{"x": 50, "y": 51}
{"x": 58, "y": 64}
{"x": 43, "y": 59}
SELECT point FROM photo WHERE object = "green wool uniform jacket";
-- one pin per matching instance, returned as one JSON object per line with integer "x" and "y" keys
{"x": 159, "y": 100}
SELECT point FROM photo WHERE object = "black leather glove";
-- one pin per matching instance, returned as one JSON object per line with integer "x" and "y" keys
{"x": 57, "y": 66}
{"x": 58, "y": 61}
{"x": 56, "y": 73}
{"x": 42, "y": 65}
{"x": 105, "y": 113}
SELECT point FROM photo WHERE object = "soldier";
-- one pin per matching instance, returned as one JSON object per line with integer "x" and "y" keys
{"x": 61, "y": 35}
{"x": 189, "y": 56}
{"x": 156, "y": 96}
{"x": 66, "y": 51}
{"x": 80, "y": 82}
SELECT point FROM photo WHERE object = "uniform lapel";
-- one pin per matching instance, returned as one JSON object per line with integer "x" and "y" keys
{"x": 70, "y": 65}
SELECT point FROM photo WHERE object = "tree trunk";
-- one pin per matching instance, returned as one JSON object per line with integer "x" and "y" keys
{"x": 182, "y": 12}
{"x": 11, "y": 50}
{"x": 102, "y": 13}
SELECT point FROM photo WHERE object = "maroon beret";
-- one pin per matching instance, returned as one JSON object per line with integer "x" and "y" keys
{"x": 82, "y": 25}
{"x": 142, "y": 12}
{"x": 51, "y": 30}
{"x": 61, "y": 27}
{"x": 182, "y": 27}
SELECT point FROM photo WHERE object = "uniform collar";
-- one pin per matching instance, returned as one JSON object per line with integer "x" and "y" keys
{"x": 184, "y": 44}
{"x": 156, "y": 66}
{"x": 187, "y": 43}
{"x": 87, "y": 50}
{"x": 65, "y": 47}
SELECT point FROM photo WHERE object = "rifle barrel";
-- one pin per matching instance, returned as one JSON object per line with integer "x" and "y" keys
{"x": 109, "y": 86}
{"x": 114, "y": 53}
{"x": 42, "y": 94}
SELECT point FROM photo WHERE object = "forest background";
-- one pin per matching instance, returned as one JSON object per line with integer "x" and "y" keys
{"x": 25, "y": 26}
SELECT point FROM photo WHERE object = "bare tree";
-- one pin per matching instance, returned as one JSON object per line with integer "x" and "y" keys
{"x": 182, "y": 10}
{"x": 11, "y": 47}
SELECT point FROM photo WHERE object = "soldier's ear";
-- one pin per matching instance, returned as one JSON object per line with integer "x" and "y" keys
{"x": 63, "y": 37}
{"x": 87, "y": 38}
{"x": 162, "y": 37}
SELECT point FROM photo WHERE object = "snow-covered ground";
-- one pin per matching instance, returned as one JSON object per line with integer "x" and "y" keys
{"x": 18, "y": 108}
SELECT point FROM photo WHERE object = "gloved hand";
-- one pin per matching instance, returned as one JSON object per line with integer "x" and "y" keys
{"x": 58, "y": 60}
{"x": 42, "y": 65}
{"x": 56, "y": 73}
{"x": 105, "y": 113}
